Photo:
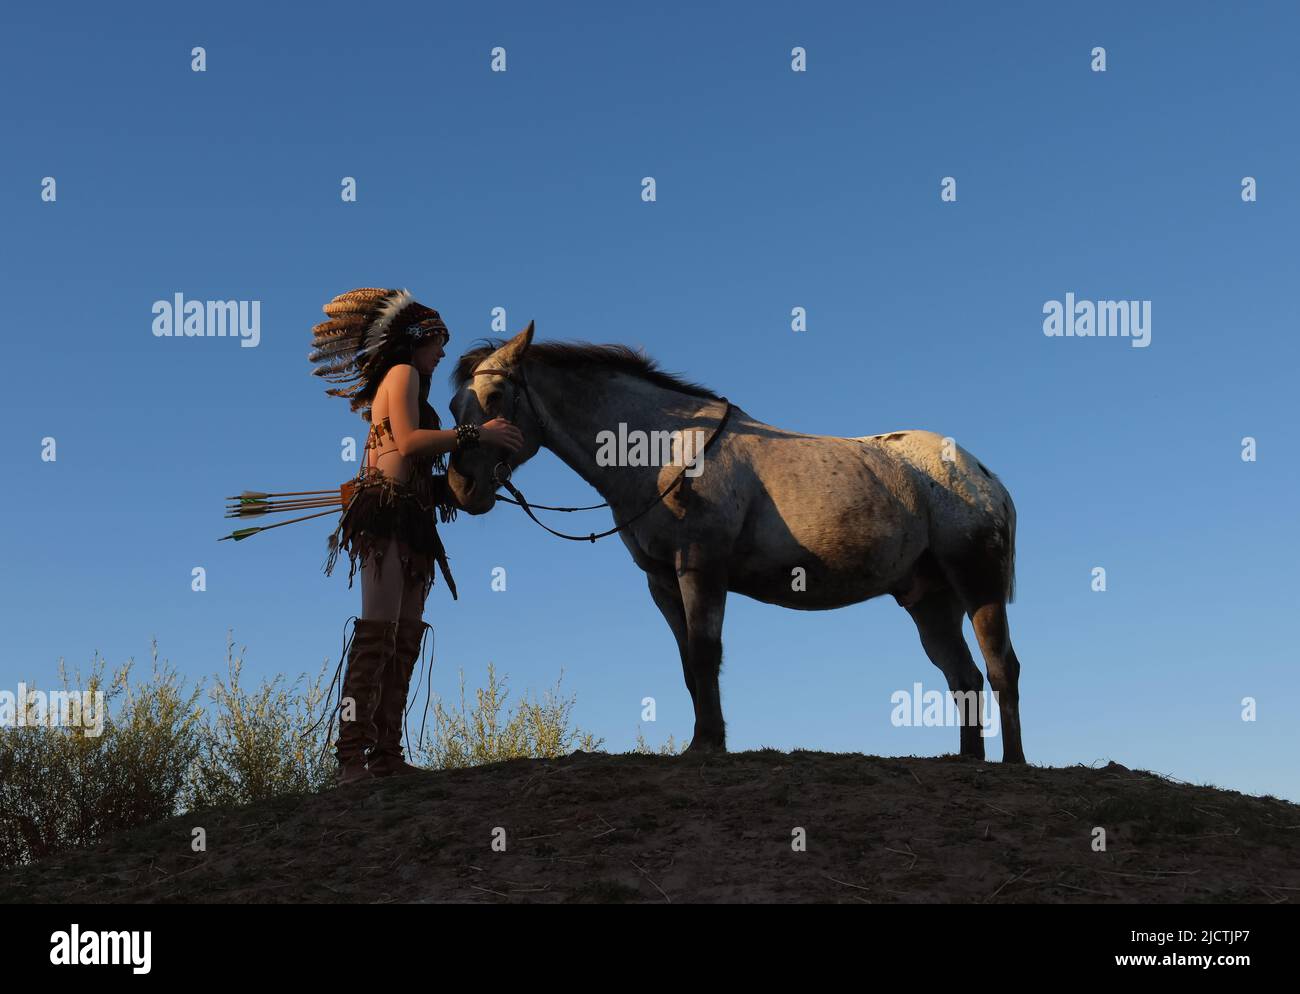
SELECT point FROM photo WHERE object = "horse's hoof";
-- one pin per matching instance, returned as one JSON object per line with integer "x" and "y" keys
{"x": 705, "y": 747}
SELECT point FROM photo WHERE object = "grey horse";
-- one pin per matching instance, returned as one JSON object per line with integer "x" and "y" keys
{"x": 804, "y": 521}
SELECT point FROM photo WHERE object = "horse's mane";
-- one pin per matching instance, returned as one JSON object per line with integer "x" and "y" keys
{"x": 567, "y": 355}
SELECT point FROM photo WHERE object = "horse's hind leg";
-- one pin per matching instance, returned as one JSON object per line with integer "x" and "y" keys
{"x": 938, "y": 617}
{"x": 983, "y": 578}
{"x": 990, "y": 623}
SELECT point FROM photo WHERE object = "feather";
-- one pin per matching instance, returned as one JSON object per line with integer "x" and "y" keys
{"x": 340, "y": 326}
{"x": 331, "y": 352}
{"x": 385, "y": 314}
{"x": 360, "y": 301}
{"x": 336, "y": 368}
{"x": 335, "y": 344}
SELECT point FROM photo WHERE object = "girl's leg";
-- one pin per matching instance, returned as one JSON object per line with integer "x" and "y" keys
{"x": 382, "y": 585}
{"x": 389, "y": 757}
{"x": 412, "y": 601}
{"x": 369, "y": 664}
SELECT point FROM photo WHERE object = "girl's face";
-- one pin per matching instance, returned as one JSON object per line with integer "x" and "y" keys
{"x": 426, "y": 355}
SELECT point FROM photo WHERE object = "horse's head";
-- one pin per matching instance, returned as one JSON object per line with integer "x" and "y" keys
{"x": 491, "y": 385}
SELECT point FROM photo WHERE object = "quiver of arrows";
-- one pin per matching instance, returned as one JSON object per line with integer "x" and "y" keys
{"x": 253, "y": 503}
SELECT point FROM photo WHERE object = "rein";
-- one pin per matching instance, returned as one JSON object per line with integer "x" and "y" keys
{"x": 503, "y": 479}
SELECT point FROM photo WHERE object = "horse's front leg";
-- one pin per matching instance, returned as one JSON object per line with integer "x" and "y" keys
{"x": 704, "y": 599}
{"x": 668, "y": 598}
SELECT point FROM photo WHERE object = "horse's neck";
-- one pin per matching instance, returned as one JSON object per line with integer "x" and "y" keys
{"x": 579, "y": 406}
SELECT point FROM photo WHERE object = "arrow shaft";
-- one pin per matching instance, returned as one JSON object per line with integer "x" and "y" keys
{"x": 266, "y": 528}
{"x": 252, "y": 511}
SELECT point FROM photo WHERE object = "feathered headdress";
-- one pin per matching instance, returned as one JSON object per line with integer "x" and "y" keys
{"x": 363, "y": 325}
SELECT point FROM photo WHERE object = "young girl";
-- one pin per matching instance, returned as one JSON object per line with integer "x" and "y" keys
{"x": 385, "y": 345}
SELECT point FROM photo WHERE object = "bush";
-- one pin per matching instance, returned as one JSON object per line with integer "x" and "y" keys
{"x": 160, "y": 753}
{"x": 66, "y": 787}
{"x": 262, "y": 744}
{"x": 472, "y": 737}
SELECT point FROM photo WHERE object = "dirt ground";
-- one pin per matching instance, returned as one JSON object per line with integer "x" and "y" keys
{"x": 600, "y": 828}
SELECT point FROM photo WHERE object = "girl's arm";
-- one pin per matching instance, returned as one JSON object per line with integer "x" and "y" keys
{"x": 403, "y": 386}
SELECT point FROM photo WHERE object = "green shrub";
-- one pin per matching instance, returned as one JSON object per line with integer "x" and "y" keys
{"x": 489, "y": 733}
{"x": 161, "y": 753}
{"x": 64, "y": 787}
{"x": 259, "y": 744}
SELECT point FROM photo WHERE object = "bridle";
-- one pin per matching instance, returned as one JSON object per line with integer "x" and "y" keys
{"x": 501, "y": 471}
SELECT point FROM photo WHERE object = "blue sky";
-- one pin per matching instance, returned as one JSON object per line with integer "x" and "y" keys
{"x": 775, "y": 189}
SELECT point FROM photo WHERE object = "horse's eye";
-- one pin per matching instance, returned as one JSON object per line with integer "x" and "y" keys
{"x": 493, "y": 400}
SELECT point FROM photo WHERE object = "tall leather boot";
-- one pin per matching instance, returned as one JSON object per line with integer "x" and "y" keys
{"x": 386, "y": 758}
{"x": 369, "y": 658}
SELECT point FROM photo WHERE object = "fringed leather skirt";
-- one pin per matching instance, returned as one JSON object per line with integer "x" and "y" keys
{"x": 382, "y": 509}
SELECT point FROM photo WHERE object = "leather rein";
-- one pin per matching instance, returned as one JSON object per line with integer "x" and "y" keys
{"x": 501, "y": 471}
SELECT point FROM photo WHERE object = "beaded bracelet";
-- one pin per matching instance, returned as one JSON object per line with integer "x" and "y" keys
{"x": 466, "y": 436}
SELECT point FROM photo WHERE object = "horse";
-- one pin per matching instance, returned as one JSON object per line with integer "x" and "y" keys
{"x": 809, "y": 522}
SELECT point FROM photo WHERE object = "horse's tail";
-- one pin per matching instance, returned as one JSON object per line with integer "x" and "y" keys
{"x": 1011, "y": 564}
{"x": 1008, "y": 536}
{"x": 1009, "y": 568}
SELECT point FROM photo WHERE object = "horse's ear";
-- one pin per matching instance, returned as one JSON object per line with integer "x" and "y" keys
{"x": 514, "y": 349}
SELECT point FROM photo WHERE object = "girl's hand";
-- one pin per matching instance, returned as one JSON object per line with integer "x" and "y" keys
{"x": 501, "y": 432}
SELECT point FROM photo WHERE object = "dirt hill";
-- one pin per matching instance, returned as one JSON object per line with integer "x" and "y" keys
{"x": 613, "y": 828}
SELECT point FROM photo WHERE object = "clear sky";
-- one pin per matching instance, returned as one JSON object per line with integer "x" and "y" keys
{"x": 776, "y": 190}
